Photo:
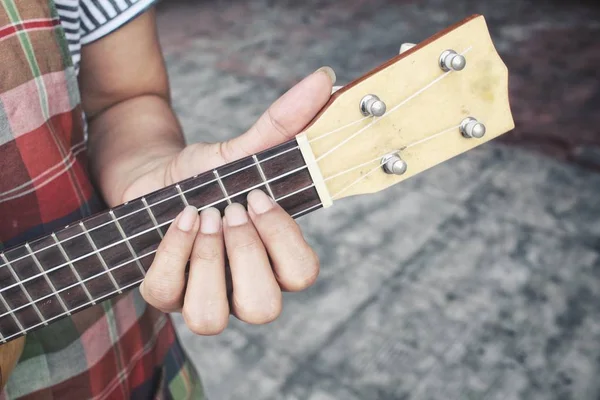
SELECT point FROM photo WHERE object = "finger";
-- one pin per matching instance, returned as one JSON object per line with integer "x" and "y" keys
{"x": 287, "y": 117}
{"x": 256, "y": 294}
{"x": 205, "y": 306}
{"x": 164, "y": 284}
{"x": 295, "y": 264}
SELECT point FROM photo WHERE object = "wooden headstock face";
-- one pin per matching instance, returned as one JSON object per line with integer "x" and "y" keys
{"x": 425, "y": 106}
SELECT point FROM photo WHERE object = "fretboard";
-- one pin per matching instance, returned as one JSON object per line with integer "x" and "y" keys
{"x": 109, "y": 253}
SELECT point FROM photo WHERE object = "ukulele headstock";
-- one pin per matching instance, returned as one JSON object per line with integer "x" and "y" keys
{"x": 424, "y": 107}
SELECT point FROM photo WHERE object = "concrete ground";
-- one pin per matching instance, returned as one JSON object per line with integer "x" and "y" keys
{"x": 479, "y": 279}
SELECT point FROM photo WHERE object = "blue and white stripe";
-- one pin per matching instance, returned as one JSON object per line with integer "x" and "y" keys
{"x": 85, "y": 21}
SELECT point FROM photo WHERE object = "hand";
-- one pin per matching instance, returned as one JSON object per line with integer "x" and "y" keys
{"x": 265, "y": 247}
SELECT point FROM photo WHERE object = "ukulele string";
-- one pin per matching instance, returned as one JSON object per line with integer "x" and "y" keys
{"x": 207, "y": 206}
{"x": 323, "y": 136}
{"x": 153, "y": 228}
{"x": 152, "y": 205}
{"x": 139, "y": 257}
{"x": 388, "y": 113}
{"x": 215, "y": 180}
{"x": 415, "y": 143}
{"x": 109, "y": 270}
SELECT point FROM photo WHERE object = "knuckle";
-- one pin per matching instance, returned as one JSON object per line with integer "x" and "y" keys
{"x": 224, "y": 150}
{"x": 163, "y": 294}
{"x": 206, "y": 323}
{"x": 277, "y": 124}
{"x": 247, "y": 244}
{"x": 230, "y": 150}
{"x": 169, "y": 254}
{"x": 277, "y": 228}
{"x": 207, "y": 253}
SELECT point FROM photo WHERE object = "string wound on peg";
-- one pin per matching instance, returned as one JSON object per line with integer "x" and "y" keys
{"x": 393, "y": 164}
{"x": 450, "y": 60}
{"x": 371, "y": 105}
{"x": 470, "y": 128}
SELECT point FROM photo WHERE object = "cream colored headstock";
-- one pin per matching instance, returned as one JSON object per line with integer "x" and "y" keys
{"x": 425, "y": 106}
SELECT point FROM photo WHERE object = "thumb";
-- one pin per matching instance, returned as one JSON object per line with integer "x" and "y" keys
{"x": 287, "y": 117}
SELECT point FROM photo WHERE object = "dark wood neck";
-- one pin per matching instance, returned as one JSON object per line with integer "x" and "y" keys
{"x": 109, "y": 253}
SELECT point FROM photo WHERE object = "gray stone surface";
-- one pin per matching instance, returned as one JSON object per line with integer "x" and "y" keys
{"x": 479, "y": 279}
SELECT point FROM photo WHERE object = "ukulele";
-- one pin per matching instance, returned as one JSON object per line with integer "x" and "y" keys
{"x": 434, "y": 101}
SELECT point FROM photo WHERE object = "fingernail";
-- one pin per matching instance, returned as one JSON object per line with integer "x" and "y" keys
{"x": 329, "y": 72}
{"x": 210, "y": 221}
{"x": 259, "y": 202}
{"x": 236, "y": 215}
{"x": 187, "y": 218}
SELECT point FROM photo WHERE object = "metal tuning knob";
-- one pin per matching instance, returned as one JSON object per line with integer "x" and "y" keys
{"x": 393, "y": 164}
{"x": 405, "y": 47}
{"x": 471, "y": 128}
{"x": 371, "y": 105}
{"x": 452, "y": 61}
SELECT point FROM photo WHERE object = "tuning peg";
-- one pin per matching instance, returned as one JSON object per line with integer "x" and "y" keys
{"x": 451, "y": 60}
{"x": 372, "y": 105}
{"x": 406, "y": 46}
{"x": 393, "y": 164}
{"x": 471, "y": 128}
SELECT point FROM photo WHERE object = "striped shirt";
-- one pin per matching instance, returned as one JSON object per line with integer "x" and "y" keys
{"x": 85, "y": 21}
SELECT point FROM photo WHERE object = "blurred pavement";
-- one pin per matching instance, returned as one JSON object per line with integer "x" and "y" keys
{"x": 479, "y": 279}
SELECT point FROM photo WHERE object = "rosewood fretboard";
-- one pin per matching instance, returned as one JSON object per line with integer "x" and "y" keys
{"x": 108, "y": 253}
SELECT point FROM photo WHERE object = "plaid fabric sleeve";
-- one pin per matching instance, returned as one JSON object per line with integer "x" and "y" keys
{"x": 119, "y": 349}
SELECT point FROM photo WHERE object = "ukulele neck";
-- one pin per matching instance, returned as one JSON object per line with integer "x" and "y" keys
{"x": 109, "y": 253}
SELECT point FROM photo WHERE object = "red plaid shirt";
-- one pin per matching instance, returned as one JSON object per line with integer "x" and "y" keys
{"x": 121, "y": 348}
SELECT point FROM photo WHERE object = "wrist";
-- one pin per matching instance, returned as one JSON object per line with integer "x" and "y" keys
{"x": 130, "y": 140}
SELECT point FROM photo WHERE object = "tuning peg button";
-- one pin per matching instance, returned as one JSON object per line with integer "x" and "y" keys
{"x": 406, "y": 46}
{"x": 372, "y": 105}
{"x": 471, "y": 128}
{"x": 452, "y": 61}
{"x": 393, "y": 164}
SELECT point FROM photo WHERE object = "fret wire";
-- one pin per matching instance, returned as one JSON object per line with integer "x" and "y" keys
{"x": 262, "y": 175}
{"x": 222, "y": 186}
{"x": 73, "y": 269}
{"x": 181, "y": 195}
{"x": 89, "y": 278}
{"x": 127, "y": 243}
{"x": 169, "y": 198}
{"x": 97, "y": 252}
{"x": 47, "y": 278}
{"x": 12, "y": 314}
{"x": 308, "y": 209}
{"x": 31, "y": 302}
{"x": 75, "y": 309}
{"x": 145, "y": 255}
{"x": 154, "y": 221}
{"x": 295, "y": 193}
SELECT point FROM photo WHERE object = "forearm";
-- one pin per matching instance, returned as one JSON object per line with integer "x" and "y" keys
{"x": 130, "y": 140}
